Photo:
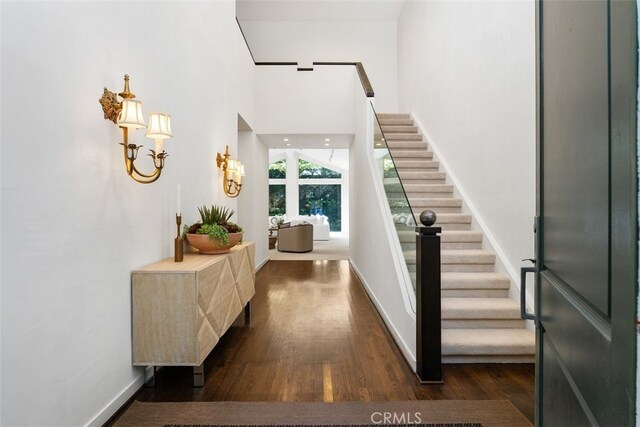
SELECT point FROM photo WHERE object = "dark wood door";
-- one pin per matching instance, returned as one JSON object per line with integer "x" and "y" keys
{"x": 587, "y": 199}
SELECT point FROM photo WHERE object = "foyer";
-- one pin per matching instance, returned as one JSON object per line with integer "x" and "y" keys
{"x": 316, "y": 337}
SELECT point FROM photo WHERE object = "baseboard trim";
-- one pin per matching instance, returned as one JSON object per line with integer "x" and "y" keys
{"x": 262, "y": 264}
{"x": 121, "y": 400}
{"x": 409, "y": 357}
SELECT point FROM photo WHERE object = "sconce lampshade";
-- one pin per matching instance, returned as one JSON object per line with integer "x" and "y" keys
{"x": 232, "y": 166}
{"x": 241, "y": 169}
{"x": 159, "y": 126}
{"x": 131, "y": 115}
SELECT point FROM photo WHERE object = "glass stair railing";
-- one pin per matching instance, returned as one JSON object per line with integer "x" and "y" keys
{"x": 401, "y": 212}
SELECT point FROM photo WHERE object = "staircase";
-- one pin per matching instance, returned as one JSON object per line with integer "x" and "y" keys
{"x": 480, "y": 323}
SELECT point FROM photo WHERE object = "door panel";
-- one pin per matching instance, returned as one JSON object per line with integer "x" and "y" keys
{"x": 576, "y": 170}
{"x": 587, "y": 203}
{"x": 579, "y": 335}
{"x": 563, "y": 407}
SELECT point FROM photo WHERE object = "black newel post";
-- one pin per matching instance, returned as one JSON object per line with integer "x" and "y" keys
{"x": 428, "y": 300}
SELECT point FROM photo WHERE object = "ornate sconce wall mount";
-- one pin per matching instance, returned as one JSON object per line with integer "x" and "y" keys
{"x": 127, "y": 114}
{"x": 233, "y": 171}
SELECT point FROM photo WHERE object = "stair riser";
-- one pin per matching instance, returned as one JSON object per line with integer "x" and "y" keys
{"x": 395, "y": 122}
{"x": 408, "y": 239}
{"x": 436, "y": 209}
{"x": 452, "y": 360}
{"x": 409, "y": 243}
{"x": 396, "y": 145}
{"x": 421, "y": 176}
{"x": 428, "y": 181}
{"x": 460, "y": 268}
{"x": 411, "y": 153}
{"x": 416, "y": 165}
{"x": 463, "y": 245}
{"x": 404, "y": 137}
{"x": 477, "y": 284}
{"x": 437, "y": 203}
{"x": 447, "y": 258}
{"x": 434, "y": 195}
{"x": 427, "y": 188}
{"x": 399, "y": 129}
{"x": 474, "y": 293}
{"x": 387, "y": 116}
{"x": 482, "y": 324}
{"x": 454, "y": 227}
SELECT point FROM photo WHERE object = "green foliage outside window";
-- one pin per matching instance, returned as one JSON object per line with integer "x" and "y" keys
{"x": 311, "y": 170}
{"x": 278, "y": 170}
{"x": 277, "y": 199}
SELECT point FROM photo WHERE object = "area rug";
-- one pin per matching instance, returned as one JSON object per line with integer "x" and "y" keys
{"x": 486, "y": 413}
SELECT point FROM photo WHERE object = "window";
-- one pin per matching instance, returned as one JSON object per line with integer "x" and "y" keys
{"x": 277, "y": 188}
{"x": 311, "y": 170}
{"x": 277, "y": 199}
{"x": 278, "y": 170}
{"x": 322, "y": 199}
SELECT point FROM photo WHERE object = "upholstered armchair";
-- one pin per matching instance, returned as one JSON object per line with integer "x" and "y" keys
{"x": 298, "y": 238}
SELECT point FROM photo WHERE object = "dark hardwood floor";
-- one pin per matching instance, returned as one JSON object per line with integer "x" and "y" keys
{"x": 315, "y": 336}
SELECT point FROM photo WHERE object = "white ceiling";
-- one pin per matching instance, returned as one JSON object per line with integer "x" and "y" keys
{"x": 307, "y": 141}
{"x": 318, "y": 10}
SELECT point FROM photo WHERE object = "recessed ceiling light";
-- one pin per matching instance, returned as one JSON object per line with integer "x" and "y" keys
{"x": 288, "y": 144}
{"x": 326, "y": 145}
{"x": 327, "y": 139}
{"x": 286, "y": 139}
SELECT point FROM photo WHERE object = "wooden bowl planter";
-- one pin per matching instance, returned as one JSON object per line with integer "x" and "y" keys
{"x": 208, "y": 246}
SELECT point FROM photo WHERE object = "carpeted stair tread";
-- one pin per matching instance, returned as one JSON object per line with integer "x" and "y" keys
{"x": 422, "y": 175}
{"x": 396, "y": 145}
{"x": 427, "y": 188}
{"x": 403, "y": 137}
{"x": 458, "y": 256}
{"x": 475, "y": 281}
{"x": 395, "y": 122}
{"x": 461, "y": 236}
{"x": 447, "y": 236}
{"x": 398, "y": 128}
{"x": 416, "y": 164}
{"x": 385, "y": 116}
{"x": 480, "y": 308}
{"x": 411, "y": 153}
{"x": 462, "y": 342}
{"x": 453, "y": 218}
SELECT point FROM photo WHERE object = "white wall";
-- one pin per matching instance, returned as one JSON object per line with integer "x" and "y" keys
{"x": 304, "y": 102}
{"x": 371, "y": 42}
{"x": 253, "y": 201}
{"x": 74, "y": 224}
{"x": 371, "y": 245}
{"x": 467, "y": 74}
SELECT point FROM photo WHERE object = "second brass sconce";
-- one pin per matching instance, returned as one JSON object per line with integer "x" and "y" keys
{"x": 233, "y": 171}
{"x": 127, "y": 114}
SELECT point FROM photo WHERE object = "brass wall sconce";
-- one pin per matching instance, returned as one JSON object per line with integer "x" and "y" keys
{"x": 233, "y": 171}
{"x": 127, "y": 114}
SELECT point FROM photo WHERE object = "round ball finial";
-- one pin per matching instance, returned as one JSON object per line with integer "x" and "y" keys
{"x": 428, "y": 218}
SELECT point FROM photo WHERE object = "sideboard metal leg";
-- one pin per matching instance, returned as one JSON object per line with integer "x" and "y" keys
{"x": 198, "y": 375}
{"x": 150, "y": 377}
{"x": 247, "y": 313}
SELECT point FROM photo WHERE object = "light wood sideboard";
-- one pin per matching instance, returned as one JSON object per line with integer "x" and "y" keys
{"x": 181, "y": 309}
